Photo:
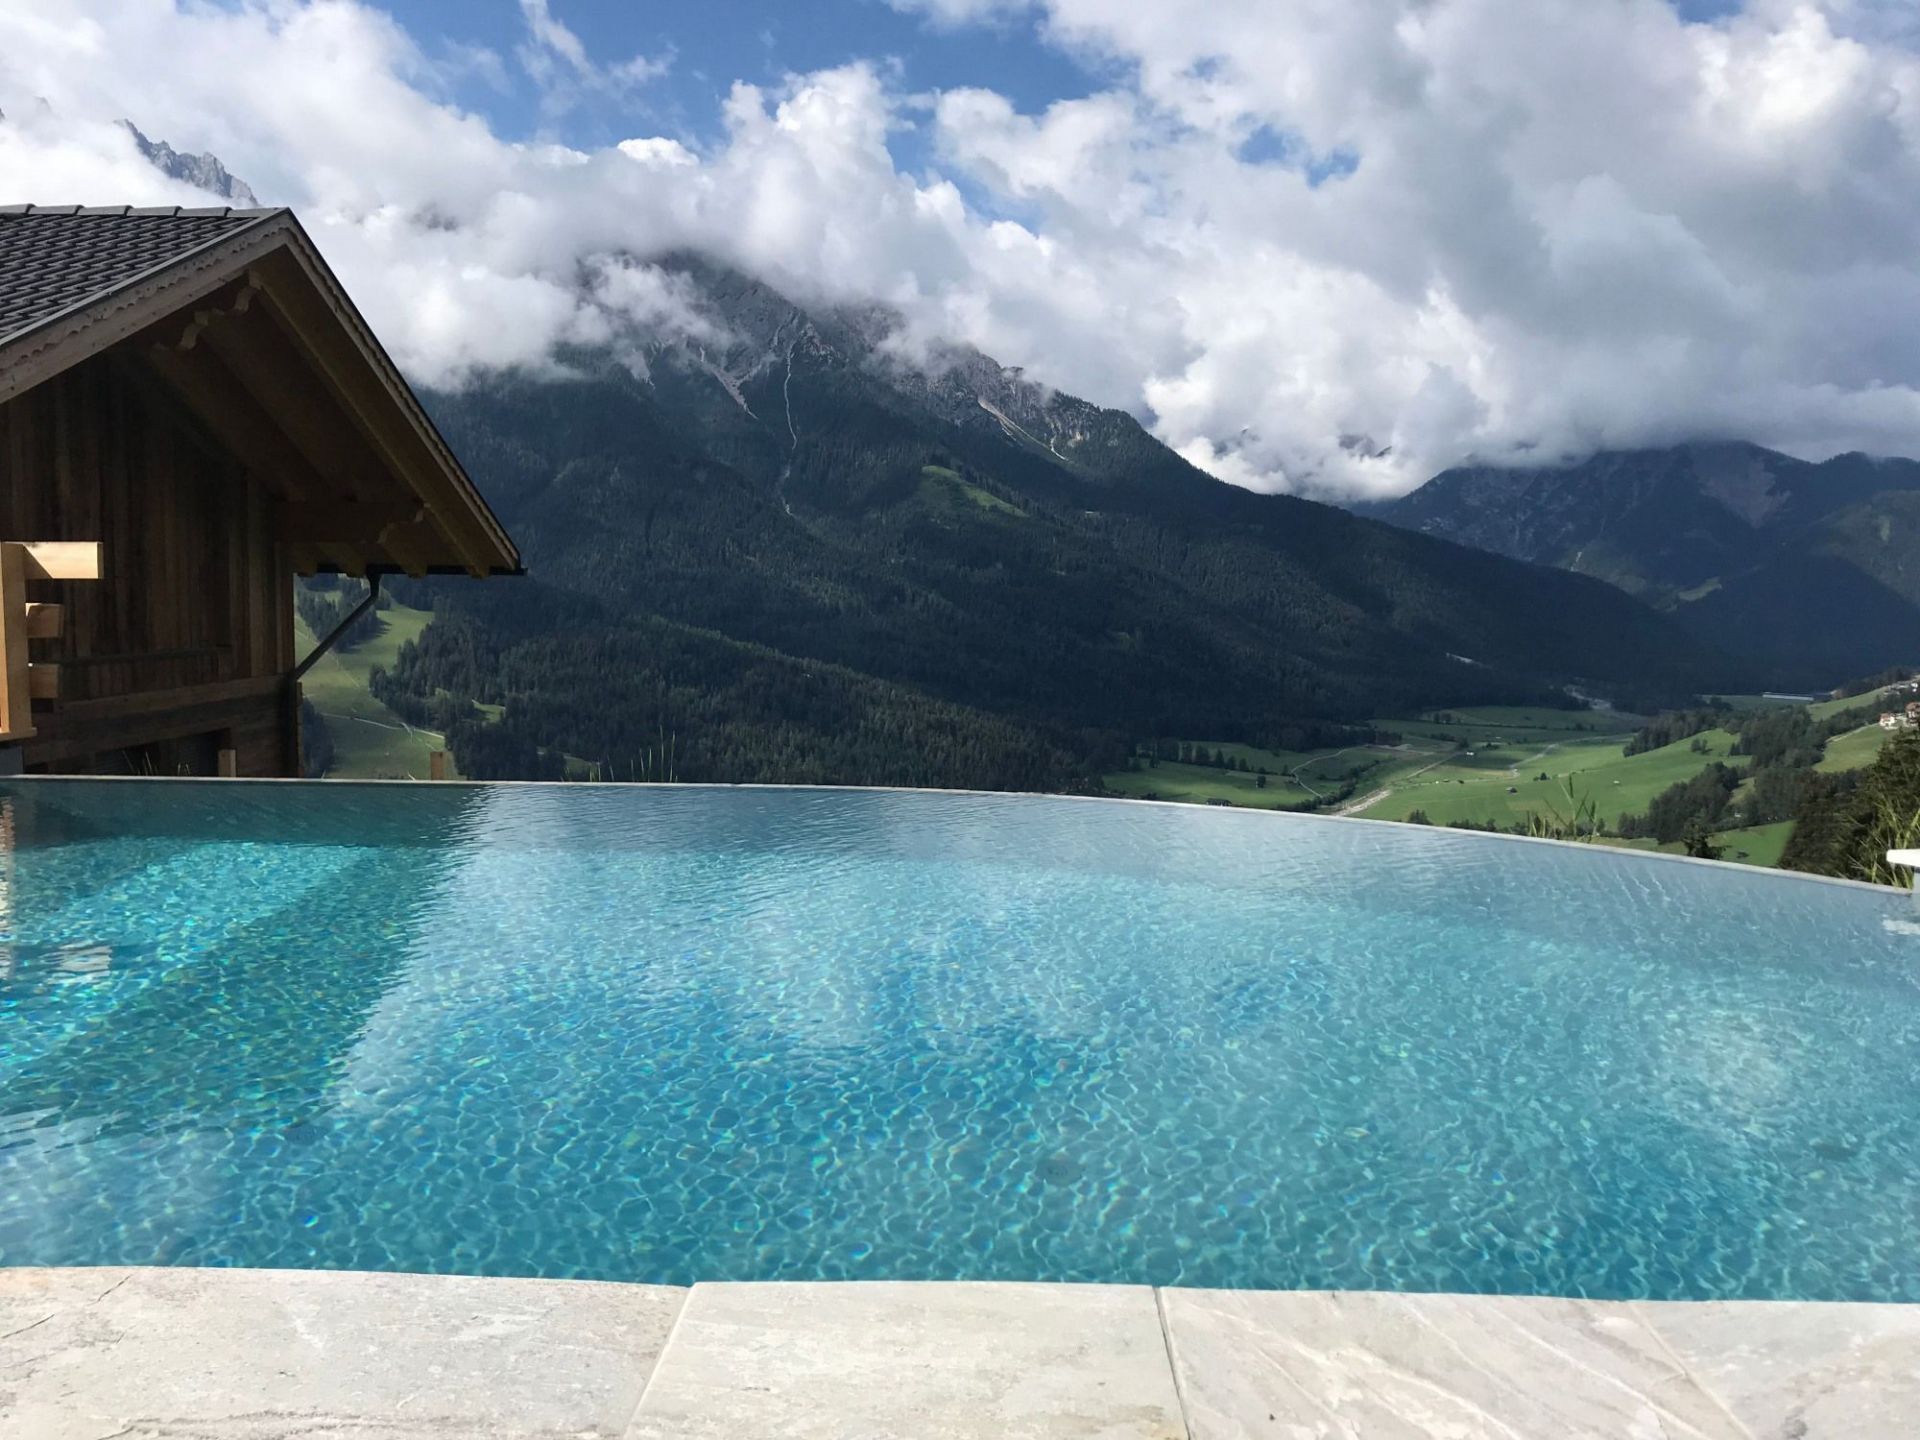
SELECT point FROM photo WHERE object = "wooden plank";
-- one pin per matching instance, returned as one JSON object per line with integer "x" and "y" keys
{"x": 436, "y": 765}
{"x": 228, "y": 763}
{"x": 116, "y": 707}
{"x": 236, "y": 419}
{"x": 357, "y": 522}
{"x": 62, "y": 559}
{"x": 45, "y": 621}
{"x": 264, "y": 357}
{"x": 43, "y": 680}
{"x": 92, "y": 727}
{"x": 16, "y": 696}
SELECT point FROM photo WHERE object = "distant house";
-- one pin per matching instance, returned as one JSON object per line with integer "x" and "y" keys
{"x": 1906, "y": 719}
{"x": 192, "y": 413}
{"x": 1913, "y": 712}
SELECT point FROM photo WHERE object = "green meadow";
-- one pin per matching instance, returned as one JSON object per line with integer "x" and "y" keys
{"x": 1853, "y": 750}
{"x": 369, "y": 740}
{"x": 1501, "y": 766}
{"x": 1295, "y": 779}
{"x": 1501, "y": 783}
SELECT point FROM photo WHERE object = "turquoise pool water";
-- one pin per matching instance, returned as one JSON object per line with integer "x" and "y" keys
{"x": 665, "y": 1034}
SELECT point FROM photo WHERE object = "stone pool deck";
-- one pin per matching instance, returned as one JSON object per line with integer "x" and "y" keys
{"x": 269, "y": 1355}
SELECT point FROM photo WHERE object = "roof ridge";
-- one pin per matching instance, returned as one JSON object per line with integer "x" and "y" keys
{"x": 203, "y": 212}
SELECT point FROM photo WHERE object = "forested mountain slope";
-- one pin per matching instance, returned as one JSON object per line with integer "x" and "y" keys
{"x": 1807, "y": 570}
{"x": 771, "y": 548}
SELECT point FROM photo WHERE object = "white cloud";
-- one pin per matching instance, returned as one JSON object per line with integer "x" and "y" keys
{"x": 558, "y": 62}
{"x": 963, "y": 12}
{"x": 1566, "y": 224}
{"x": 658, "y": 150}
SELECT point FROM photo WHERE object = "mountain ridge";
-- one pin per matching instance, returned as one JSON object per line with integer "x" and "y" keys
{"x": 1799, "y": 566}
{"x": 781, "y": 477}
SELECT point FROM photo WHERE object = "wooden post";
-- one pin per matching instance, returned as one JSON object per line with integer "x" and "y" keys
{"x": 437, "y": 765}
{"x": 229, "y": 763}
{"x": 22, "y": 681}
{"x": 16, "y": 686}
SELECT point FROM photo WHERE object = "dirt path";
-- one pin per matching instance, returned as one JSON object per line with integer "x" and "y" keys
{"x": 1514, "y": 769}
{"x": 1372, "y": 797}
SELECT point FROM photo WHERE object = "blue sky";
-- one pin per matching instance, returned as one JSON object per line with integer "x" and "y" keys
{"x": 759, "y": 41}
{"x": 713, "y": 45}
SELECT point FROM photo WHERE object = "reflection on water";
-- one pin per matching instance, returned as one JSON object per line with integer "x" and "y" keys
{"x": 668, "y": 1034}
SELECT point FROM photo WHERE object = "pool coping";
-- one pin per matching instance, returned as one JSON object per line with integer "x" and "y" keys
{"x": 1617, "y": 852}
{"x": 86, "y": 1352}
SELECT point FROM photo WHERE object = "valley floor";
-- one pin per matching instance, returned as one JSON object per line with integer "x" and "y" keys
{"x": 1486, "y": 766}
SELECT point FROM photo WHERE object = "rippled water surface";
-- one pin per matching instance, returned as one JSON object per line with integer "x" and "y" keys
{"x": 665, "y": 1034}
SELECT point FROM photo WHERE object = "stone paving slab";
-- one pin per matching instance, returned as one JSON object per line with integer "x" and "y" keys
{"x": 162, "y": 1354}
{"x": 1405, "y": 1367}
{"x": 1802, "y": 1371}
{"x": 900, "y": 1361}
{"x": 159, "y": 1354}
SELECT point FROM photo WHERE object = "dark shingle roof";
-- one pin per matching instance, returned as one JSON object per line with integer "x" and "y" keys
{"x": 54, "y": 258}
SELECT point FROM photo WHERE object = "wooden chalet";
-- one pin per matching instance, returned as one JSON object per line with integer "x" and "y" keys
{"x": 192, "y": 413}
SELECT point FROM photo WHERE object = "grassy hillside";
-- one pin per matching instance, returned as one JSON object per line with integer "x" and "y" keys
{"x": 1501, "y": 766}
{"x": 1854, "y": 750}
{"x": 369, "y": 740}
{"x": 1203, "y": 784}
{"x": 1295, "y": 779}
{"x": 1475, "y": 787}
{"x": 1752, "y": 845}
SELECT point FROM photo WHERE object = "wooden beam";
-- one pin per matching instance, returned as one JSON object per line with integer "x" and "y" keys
{"x": 360, "y": 522}
{"x": 111, "y": 709}
{"x": 16, "y": 700}
{"x": 343, "y": 558}
{"x": 257, "y": 349}
{"x": 62, "y": 559}
{"x": 44, "y": 622}
{"x": 237, "y": 421}
{"x": 43, "y": 680}
{"x": 385, "y": 417}
{"x": 410, "y": 546}
{"x": 119, "y": 721}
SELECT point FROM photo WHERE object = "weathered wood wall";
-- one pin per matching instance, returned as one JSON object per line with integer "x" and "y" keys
{"x": 181, "y": 645}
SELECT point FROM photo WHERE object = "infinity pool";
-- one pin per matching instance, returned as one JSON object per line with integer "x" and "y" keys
{"x": 667, "y": 1034}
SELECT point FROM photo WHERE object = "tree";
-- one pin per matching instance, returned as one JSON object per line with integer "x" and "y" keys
{"x": 316, "y": 742}
{"x": 1698, "y": 841}
{"x": 1847, "y": 831}
{"x": 1703, "y": 798}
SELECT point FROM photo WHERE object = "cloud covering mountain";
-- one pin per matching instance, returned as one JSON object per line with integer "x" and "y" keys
{"x": 1321, "y": 244}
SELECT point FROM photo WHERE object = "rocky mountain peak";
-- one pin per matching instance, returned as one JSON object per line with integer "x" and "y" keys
{"x": 203, "y": 171}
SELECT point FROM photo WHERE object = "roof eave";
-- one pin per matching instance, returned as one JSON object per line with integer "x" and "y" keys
{"x": 35, "y": 354}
